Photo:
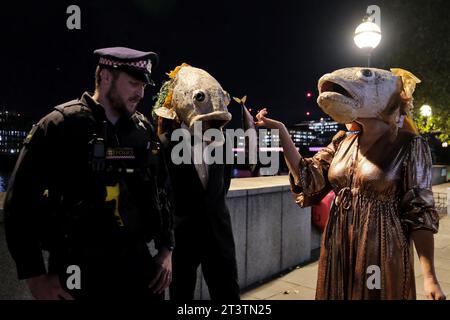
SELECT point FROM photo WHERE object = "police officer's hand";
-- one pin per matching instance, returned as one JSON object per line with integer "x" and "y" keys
{"x": 47, "y": 287}
{"x": 163, "y": 276}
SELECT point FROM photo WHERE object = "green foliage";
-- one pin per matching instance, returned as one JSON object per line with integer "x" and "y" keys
{"x": 418, "y": 41}
{"x": 161, "y": 96}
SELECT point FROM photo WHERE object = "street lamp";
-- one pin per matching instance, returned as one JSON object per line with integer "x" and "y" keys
{"x": 368, "y": 33}
{"x": 425, "y": 111}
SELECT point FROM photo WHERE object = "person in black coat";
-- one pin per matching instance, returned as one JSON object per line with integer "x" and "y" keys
{"x": 203, "y": 230}
{"x": 192, "y": 99}
{"x": 90, "y": 187}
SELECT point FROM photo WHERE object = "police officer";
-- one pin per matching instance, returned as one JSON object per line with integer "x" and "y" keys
{"x": 90, "y": 187}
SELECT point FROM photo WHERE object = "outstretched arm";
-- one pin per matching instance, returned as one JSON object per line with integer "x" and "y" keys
{"x": 291, "y": 155}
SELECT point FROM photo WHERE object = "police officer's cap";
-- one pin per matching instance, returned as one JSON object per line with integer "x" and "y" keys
{"x": 136, "y": 63}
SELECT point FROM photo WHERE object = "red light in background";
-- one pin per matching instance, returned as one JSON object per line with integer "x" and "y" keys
{"x": 250, "y": 110}
{"x": 308, "y": 113}
{"x": 308, "y": 94}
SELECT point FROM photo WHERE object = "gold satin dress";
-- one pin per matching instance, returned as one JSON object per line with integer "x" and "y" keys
{"x": 381, "y": 196}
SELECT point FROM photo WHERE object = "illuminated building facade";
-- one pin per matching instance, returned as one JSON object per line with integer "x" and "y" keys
{"x": 14, "y": 127}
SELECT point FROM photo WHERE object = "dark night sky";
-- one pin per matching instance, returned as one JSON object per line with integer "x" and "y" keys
{"x": 273, "y": 51}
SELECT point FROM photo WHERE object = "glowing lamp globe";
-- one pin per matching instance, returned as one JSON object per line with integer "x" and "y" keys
{"x": 367, "y": 35}
{"x": 425, "y": 111}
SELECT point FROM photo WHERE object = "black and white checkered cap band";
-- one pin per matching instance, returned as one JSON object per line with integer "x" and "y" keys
{"x": 144, "y": 64}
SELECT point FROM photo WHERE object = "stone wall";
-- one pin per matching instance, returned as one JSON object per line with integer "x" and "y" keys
{"x": 272, "y": 234}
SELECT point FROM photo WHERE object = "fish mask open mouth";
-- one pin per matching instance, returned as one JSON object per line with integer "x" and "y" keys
{"x": 336, "y": 100}
{"x": 214, "y": 120}
{"x": 357, "y": 92}
{"x": 329, "y": 86}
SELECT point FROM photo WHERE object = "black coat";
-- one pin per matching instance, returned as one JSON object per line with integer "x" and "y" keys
{"x": 203, "y": 232}
{"x": 201, "y": 215}
{"x": 56, "y": 201}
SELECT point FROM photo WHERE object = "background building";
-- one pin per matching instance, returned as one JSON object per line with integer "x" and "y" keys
{"x": 14, "y": 127}
{"x": 310, "y": 136}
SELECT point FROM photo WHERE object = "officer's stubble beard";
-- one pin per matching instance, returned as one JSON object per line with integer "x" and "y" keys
{"x": 117, "y": 102}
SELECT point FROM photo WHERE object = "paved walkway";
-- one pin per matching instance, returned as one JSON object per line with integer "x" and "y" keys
{"x": 441, "y": 188}
{"x": 300, "y": 284}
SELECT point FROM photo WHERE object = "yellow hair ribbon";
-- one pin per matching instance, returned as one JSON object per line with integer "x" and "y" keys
{"x": 409, "y": 82}
{"x": 172, "y": 74}
{"x": 408, "y": 79}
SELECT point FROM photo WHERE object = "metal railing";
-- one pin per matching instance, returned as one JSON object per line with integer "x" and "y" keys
{"x": 440, "y": 201}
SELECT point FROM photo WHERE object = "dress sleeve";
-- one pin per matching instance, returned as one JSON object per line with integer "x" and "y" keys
{"x": 417, "y": 203}
{"x": 313, "y": 182}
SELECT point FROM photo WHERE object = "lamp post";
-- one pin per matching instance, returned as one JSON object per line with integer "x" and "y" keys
{"x": 368, "y": 33}
{"x": 425, "y": 111}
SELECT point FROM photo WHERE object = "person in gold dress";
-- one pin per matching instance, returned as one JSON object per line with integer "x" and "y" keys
{"x": 380, "y": 171}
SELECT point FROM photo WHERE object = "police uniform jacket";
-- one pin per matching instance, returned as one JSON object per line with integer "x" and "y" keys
{"x": 68, "y": 197}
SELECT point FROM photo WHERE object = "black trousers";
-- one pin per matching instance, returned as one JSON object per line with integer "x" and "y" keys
{"x": 197, "y": 245}
{"x": 121, "y": 270}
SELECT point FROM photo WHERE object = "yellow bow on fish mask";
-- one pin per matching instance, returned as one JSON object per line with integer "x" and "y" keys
{"x": 408, "y": 79}
{"x": 409, "y": 82}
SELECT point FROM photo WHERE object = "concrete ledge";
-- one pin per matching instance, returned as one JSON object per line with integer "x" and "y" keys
{"x": 236, "y": 193}
{"x": 439, "y": 174}
{"x": 259, "y": 182}
{"x": 271, "y": 233}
